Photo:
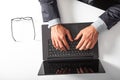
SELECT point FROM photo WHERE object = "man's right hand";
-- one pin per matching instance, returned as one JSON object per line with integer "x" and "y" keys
{"x": 58, "y": 36}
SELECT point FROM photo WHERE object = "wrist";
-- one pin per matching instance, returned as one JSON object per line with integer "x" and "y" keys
{"x": 55, "y": 26}
{"x": 53, "y": 22}
{"x": 93, "y": 28}
{"x": 99, "y": 25}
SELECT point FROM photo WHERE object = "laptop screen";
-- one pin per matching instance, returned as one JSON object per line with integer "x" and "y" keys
{"x": 71, "y": 67}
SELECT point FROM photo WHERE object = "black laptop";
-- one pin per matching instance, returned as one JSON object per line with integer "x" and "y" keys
{"x": 72, "y": 61}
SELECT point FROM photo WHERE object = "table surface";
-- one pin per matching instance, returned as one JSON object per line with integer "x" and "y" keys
{"x": 22, "y": 60}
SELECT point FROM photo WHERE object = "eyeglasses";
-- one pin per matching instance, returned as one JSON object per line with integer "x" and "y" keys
{"x": 22, "y": 18}
{"x": 22, "y": 28}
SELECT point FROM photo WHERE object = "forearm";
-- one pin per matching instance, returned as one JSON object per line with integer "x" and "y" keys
{"x": 49, "y": 10}
{"x": 111, "y": 16}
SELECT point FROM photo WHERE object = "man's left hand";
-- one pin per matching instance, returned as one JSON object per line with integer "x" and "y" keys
{"x": 89, "y": 37}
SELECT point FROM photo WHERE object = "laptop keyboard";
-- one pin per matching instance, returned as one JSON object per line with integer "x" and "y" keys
{"x": 52, "y": 52}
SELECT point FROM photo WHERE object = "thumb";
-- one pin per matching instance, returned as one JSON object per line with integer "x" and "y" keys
{"x": 78, "y": 35}
{"x": 69, "y": 35}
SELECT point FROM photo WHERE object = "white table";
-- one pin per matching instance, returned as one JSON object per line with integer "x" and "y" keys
{"x": 22, "y": 60}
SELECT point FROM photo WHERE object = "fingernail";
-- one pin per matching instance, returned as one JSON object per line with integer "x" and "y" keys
{"x": 76, "y": 47}
{"x": 80, "y": 49}
{"x": 76, "y": 39}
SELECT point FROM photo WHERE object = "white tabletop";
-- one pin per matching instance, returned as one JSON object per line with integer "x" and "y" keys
{"x": 22, "y": 60}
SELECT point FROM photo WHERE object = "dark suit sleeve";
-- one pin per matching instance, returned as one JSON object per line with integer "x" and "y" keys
{"x": 49, "y": 10}
{"x": 111, "y": 16}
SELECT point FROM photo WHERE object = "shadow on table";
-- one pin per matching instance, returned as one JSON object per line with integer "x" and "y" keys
{"x": 113, "y": 70}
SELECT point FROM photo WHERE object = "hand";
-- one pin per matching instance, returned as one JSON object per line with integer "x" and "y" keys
{"x": 63, "y": 71}
{"x": 84, "y": 70}
{"x": 58, "y": 36}
{"x": 89, "y": 36}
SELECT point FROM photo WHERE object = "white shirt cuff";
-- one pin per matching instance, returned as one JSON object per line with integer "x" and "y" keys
{"x": 99, "y": 25}
{"x": 53, "y": 22}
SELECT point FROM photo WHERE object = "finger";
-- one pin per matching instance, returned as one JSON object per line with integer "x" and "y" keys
{"x": 66, "y": 44}
{"x": 57, "y": 72}
{"x": 83, "y": 47}
{"x": 78, "y": 35}
{"x": 56, "y": 45}
{"x": 69, "y": 36}
{"x": 60, "y": 71}
{"x": 90, "y": 70}
{"x": 78, "y": 71}
{"x": 53, "y": 43}
{"x": 65, "y": 70}
{"x": 80, "y": 43}
{"x": 61, "y": 46}
{"x": 62, "y": 49}
{"x": 92, "y": 45}
{"x": 81, "y": 70}
{"x": 88, "y": 45}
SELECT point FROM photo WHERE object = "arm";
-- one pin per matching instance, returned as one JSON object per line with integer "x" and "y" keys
{"x": 106, "y": 20}
{"x": 49, "y": 10}
{"x": 58, "y": 32}
{"x": 111, "y": 16}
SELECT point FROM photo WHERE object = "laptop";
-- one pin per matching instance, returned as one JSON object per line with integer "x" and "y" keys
{"x": 73, "y": 61}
